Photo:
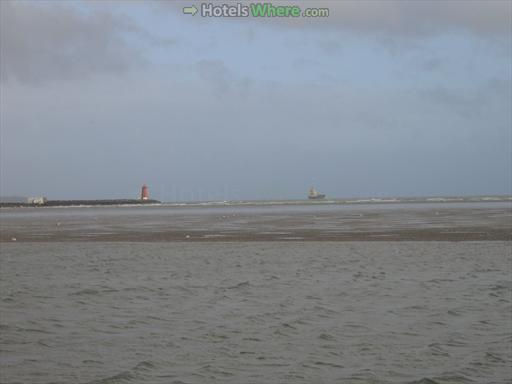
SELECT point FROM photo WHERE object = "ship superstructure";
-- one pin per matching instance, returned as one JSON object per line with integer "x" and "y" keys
{"x": 315, "y": 195}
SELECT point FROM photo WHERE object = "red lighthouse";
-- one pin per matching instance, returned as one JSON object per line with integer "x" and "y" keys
{"x": 144, "y": 194}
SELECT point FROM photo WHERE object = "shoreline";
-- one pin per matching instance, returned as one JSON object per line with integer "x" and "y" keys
{"x": 242, "y": 236}
{"x": 83, "y": 203}
{"x": 256, "y": 203}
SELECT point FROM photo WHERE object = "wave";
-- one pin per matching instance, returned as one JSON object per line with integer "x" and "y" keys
{"x": 341, "y": 201}
{"x": 132, "y": 375}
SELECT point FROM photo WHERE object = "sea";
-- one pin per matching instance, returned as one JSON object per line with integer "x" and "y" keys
{"x": 370, "y": 292}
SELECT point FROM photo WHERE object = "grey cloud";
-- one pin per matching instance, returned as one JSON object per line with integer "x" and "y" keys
{"x": 432, "y": 64}
{"x": 395, "y": 46}
{"x": 469, "y": 103}
{"x": 215, "y": 73}
{"x": 329, "y": 46}
{"x": 249, "y": 35}
{"x": 460, "y": 102}
{"x": 221, "y": 79}
{"x": 39, "y": 42}
{"x": 162, "y": 131}
{"x": 394, "y": 17}
{"x": 303, "y": 63}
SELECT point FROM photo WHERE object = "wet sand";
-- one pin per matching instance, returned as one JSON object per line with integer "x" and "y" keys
{"x": 384, "y": 222}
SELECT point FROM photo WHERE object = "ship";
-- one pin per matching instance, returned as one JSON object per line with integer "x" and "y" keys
{"x": 315, "y": 195}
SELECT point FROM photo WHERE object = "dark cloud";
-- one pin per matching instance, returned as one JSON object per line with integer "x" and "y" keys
{"x": 420, "y": 17}
{"x": 46, "y": 41}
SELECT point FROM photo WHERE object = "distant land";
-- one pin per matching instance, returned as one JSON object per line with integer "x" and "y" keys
{"x": 75, "y": 203}
{"x": 13, "y": 199}
{"x": 17, "y": 201}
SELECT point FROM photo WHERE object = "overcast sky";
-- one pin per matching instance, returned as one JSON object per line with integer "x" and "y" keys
{"x": 382, "y": 98}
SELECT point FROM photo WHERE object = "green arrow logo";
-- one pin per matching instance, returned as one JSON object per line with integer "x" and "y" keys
{"x": 190, "y": 10}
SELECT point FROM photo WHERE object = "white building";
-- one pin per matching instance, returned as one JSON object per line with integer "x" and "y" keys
{"x": 40, "y": 200}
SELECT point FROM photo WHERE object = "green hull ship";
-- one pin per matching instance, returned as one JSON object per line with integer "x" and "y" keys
{"x": 315, "y": 195}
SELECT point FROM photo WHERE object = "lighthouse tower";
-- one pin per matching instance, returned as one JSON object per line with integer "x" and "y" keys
{"x": 144, "y": 193}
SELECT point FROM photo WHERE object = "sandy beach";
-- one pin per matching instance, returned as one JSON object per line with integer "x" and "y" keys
{"x": 375, "y": 222}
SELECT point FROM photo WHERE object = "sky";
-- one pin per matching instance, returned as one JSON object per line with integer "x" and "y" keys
{"x": 381, "y": 98}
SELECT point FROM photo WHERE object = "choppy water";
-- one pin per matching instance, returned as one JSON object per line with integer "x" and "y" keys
{"x": 315, "y": 312}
